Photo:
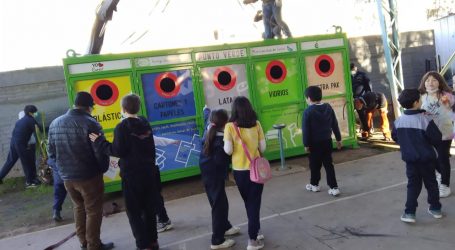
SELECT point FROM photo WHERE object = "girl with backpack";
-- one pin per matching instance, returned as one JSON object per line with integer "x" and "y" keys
{"x": 214, "y": 164}
{"x": 244, "y": 122}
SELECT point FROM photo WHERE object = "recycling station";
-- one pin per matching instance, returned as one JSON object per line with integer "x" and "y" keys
{"x": 175, "y": 85}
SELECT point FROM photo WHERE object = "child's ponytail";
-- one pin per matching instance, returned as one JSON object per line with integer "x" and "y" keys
{"x": 218, "y": 118}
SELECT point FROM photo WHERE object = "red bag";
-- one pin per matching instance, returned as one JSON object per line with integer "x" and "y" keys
{"x": 260, "y": 171}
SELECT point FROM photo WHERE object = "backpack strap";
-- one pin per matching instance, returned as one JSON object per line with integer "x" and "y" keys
{"x": 243, "y": 144}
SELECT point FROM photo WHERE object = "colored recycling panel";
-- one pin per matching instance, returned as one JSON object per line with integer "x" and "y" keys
{"x": 107, "y": 93}
{"x": 277, "y": 81}
{"x": 113, "y": 172}
{"x": 340, "y": 107}
{"x": 327, "y": 72}
{"x": 292, "y": 133}
{"x": 222, "y": 84}
{"x": 186, "y": 154}
{"x": 168, "y": 95}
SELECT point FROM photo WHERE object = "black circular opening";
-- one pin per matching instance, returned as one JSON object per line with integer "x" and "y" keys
{"x": 276, "y": 72}
{"x": 224, "y": 78}
{"x": 167, "y": 85}
{"x": 104, "y": 92}
{"x": 324, "y": 65}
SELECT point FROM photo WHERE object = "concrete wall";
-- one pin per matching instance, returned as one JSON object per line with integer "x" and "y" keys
{"x": 45, "y": 87}
{"x": 368, "y": 54}
{"x": 42, "y": 87}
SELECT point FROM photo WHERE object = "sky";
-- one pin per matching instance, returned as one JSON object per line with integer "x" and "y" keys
{"x": 37, "y": 33}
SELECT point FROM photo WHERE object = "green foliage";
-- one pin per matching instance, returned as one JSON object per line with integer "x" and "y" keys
{"x": 41, "y": 138}
{"x": 440, "y": 8}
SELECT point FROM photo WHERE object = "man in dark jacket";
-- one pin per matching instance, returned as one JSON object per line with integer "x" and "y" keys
{"x": 20, "y": 148}
{"x": 81, "y": 168}
{"x": 360, "y": 82}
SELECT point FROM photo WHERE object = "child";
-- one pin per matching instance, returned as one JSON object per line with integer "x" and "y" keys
{"x": 244, "y": 119}
{"x": 437, "y": 99}
{"x": 318, "y": 122}
{"x": 214, "y": 164}
{"x": 133, "y": 143}
{"x": 416, "y": 133}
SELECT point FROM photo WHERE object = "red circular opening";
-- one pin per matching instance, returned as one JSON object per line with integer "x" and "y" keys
{"x": 166, "y": 85}
{"x": 324, "y": 65}
{"x": 224, "y": 78}
{"x": 276, "y": 71}
{"x": 104, "y": 92}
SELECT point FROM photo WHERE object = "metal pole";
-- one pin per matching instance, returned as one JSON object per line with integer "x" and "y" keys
{"x": 279, "y": 127}
{"x": 393, "y": 61}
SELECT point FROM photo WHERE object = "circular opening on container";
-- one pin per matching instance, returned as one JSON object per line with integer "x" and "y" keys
{"x": 104, "y": 92}
{"x": 324, "y": 65}
{"x": 166, "y": 85}
{"x": 224, "y": 78}
{"x": 276, "y": 71}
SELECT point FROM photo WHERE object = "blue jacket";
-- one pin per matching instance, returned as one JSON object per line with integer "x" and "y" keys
{"x": 318, "y": 122}
{"x": 417, "y": 134}
{"x": 70, "y": 147}
{"x": 23, "y": 130}
{"x": 214, "y": 167}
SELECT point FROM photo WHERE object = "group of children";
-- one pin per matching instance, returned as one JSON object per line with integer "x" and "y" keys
{"x": 222, "y": 140}
{"x": 424, "y": 133}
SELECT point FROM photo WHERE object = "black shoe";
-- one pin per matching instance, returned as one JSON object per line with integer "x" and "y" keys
{"x": 56, "y": 216}
{"x": 104, "y": 246}
{"x": 107, "y": 246}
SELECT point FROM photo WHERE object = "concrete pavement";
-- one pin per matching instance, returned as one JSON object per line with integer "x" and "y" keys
{"x": 365, "y": 216}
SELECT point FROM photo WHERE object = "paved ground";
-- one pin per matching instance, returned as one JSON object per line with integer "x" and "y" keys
{"x": 365, "y": 216}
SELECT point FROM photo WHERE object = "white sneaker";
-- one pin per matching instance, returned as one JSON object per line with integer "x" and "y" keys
{"x": 334, "y": 191}
{"x": 438, "y": 177}
{"x": 254, "y": 245}
{"x": 312, "y": 188}
{"x": 444, "y": 191}
{"x": 231, "y": 231}
{"x": 226, "y": 244}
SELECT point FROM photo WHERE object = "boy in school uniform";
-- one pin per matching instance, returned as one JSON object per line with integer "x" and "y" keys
{"x": 319, "y": 121}
{"x": 417, "y": 134}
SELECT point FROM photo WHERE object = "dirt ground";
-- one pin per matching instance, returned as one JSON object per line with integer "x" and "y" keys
{"x": 26, "y": 210}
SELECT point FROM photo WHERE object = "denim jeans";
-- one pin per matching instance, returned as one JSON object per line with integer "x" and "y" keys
{"x": 59, "y": 190}
{"x": 268, "y": 10}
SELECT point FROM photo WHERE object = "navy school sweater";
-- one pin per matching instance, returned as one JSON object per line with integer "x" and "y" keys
{"x": 318, "y": 122}
{"x": 417, "y": 134}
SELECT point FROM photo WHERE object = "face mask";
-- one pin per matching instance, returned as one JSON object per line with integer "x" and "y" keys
{"x": 353, "y": 72}
{"x": 432, "y": 91}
